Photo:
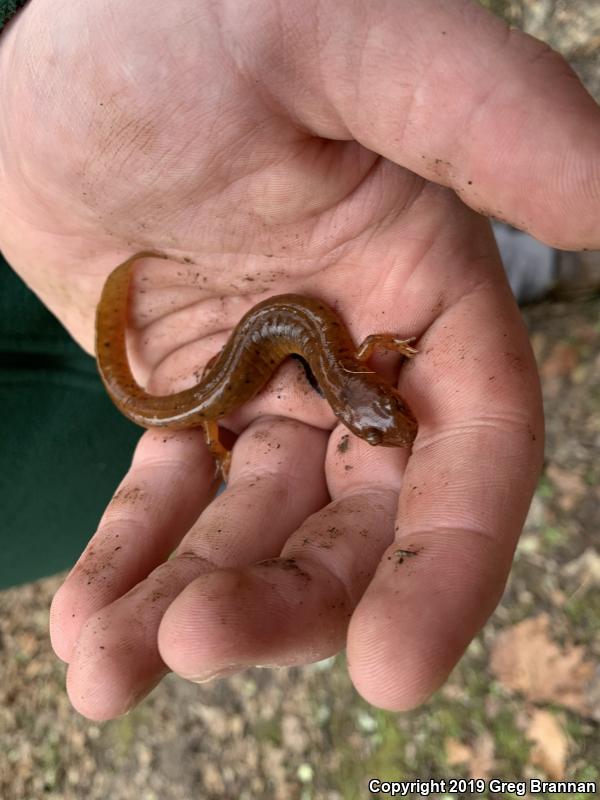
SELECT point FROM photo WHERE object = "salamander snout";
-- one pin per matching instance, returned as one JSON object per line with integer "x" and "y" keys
{"x": 383, "y": 418}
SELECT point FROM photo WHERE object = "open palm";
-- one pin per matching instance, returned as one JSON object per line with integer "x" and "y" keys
{"x": 269, "y": 151}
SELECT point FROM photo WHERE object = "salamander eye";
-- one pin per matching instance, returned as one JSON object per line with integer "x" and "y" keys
{"x": 373, "y": 436}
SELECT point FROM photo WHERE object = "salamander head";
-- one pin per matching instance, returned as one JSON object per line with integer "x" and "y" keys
{"x": 377, "y": 414}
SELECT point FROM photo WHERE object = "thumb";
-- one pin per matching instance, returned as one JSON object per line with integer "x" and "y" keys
{"x": 450, "y": 92}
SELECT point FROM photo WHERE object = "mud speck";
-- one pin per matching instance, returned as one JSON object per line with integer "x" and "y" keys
{"x": 400, "y": 555}
{"x": 344, "y": 443}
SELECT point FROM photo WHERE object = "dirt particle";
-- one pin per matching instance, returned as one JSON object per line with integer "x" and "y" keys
{"x": 344, "y": 443}
{"x": 400, "y": 555}
{"x": 129, "y": 494}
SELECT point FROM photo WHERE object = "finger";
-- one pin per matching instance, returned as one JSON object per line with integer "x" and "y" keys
{"x": 450, "y": 92}
{"x": 466, "y": 492}
{"x": 276, "y": 479}
{"x": 170, "y": 481}
{"x": 294, "y": 608}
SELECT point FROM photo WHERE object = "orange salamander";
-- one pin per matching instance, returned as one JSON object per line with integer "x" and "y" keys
{"x": 281, "y": 326}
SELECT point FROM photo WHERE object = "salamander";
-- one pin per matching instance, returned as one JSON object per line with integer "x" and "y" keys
{"x": 278, "y": 327}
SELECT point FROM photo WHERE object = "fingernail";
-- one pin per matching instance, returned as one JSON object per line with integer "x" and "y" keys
{"x": 205, "y": 677}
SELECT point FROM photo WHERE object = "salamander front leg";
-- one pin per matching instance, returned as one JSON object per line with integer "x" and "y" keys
{"x": 386, "y": 341}
{"x": 220, "y": 453}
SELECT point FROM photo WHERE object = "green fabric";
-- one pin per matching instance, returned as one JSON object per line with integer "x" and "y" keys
{"x": 8, "y": 8}
{"x": 63, "y": 445}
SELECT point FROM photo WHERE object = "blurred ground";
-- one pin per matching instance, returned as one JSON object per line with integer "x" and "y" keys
{"x": 525, "y": 700}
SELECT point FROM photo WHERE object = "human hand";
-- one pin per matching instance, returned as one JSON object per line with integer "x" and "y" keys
{"x": 296, "y": 153}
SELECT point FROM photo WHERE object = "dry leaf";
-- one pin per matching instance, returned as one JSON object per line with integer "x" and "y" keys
{"x": 457, "y": 752}
{"x": 525, "y": 659}
{"x": 570, "y": 485}
{"x": 586, "y": 568}
{"x": 550, "y": 744}
{"x": 478, "y": 757}
{"x": 482, "y": 764}
{"x": 562, "y": 361}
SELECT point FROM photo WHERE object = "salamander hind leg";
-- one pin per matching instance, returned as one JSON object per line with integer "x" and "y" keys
{"x": 386, "y": 341}
{"x": 220, "y": 453}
